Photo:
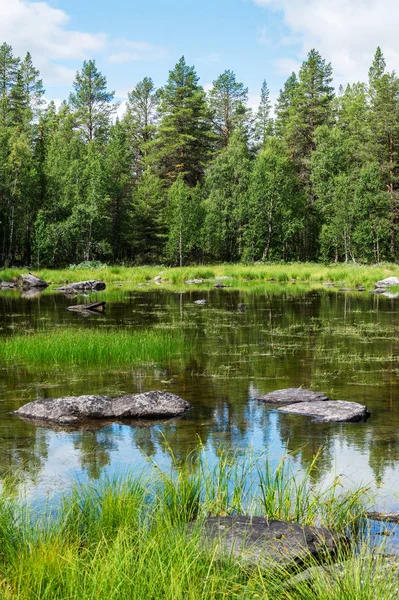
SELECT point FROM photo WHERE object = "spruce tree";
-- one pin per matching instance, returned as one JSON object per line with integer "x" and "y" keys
{"x": 263, "y": 121}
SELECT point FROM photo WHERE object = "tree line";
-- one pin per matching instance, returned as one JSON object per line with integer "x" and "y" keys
{"x": 187, "y": 177}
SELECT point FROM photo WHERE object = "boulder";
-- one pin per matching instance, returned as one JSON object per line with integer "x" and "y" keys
{"x": 292, "y": 396}
{"x": 331, "y": 411}
{"x": 92, "y": 285}
{"x": 260, "y": 542}
{"x": 7, "y": 285}
{"x": 387, "y": 282}
{"x": 75, "y": 409}
{"x": 31, "y": 281}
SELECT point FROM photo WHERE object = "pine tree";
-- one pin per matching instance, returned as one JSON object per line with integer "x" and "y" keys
{"x": 140, "y": 120}
{"x": 284, "y": 103}
{"x": 263, "y": 121}
{"x": 227, "y": 100}
{"x": 92, "y": 102}
{"x": 183, "y": 142}
{"x": 9, "y": 66}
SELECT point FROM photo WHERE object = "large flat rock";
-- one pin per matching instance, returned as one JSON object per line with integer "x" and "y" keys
{"x": 292, "y": 396}
{"x": 76, "y": 409}
{"x": 256, "y": 541}
{"x": 331, "y": 411}
{"x": 31, "y": 281}
{"x": 387, "y": 282}
{"x": 91, "y": 285}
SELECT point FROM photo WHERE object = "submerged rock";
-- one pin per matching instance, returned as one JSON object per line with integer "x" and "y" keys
{"x": 257, "y": 541}
{"x": 92, "y": 285}
{"x": 387, "y": 282}
{"x": 75, "y": 409}
{"x": 31, "y": 281}
{"x": 332, "y": 411}
{"x": 292, "y": 396}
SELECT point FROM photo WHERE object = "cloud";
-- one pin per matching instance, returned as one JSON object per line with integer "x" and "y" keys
{"x": 346, "y": 32}
{"x": 43, "y": 30}
{"x": 131, "y": 51}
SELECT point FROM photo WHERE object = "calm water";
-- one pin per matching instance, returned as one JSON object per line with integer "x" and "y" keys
{"x": 344, "y": 345}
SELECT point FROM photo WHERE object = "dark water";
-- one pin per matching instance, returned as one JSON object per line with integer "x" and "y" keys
{"x": 344, "y": 345}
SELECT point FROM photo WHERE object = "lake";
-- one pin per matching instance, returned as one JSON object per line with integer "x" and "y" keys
{"x": 345, "y": 345}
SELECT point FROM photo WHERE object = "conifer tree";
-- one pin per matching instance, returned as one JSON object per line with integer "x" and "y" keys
{"x": 227, "y": 100}
{"x": 92, "y": 102}
{"x": 183, "y": 142}
{"x": 263, "y": 121}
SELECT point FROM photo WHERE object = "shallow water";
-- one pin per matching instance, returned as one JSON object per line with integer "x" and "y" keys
{"x": 345, "y": 345}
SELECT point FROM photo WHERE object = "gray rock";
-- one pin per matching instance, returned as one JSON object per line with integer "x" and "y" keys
{"x": 220, "y": 286}
{"x": 256, "y": 541}
{"x": 390, "y": 295}
{"x": 92, "y": 285}
{"x": 7, "y": 285}
{"x": 332, "y": 411}
{"x": 158, "y": 279}
{"x": 201, "y": 302}
{"x": 378, "y": 291}
{"x": 387, "y": 517}
{"x": 292, "y": 396}
{"x": 93, "y": 306}
{"x": 193, "y": 281}
{"x": 75, "y": 409}
{"x": 31, "y": 281}
{"x": 387, "y": 282}
{"x": 328, "y": 285}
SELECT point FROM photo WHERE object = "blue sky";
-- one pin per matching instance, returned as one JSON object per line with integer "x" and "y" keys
{"x": 256, "y": 38}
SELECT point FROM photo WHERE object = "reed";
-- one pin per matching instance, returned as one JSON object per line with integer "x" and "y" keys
{"x": 126, "y": 537}
{"x": 90, "y": 347}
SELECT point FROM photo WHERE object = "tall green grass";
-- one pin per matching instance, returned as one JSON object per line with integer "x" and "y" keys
{"x": 85, "y": 347}
{"x": 349, "y": 275}
{"x": 126, "y": 539}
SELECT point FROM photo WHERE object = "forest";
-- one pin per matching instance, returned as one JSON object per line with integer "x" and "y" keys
{"x": 188, "y": 177}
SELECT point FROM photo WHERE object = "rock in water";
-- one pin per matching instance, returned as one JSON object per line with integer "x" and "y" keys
{"x": 94, "y": 306}
{"x": 7, "y": 285}
{"x": 31, "y": 281}
{"x": 387, "y": 282}
{"x": 332, "y": 411}
{"x": 256, "y": 541}
{"x": 92, "y": 285}
{"x": 292, "y": 396}
{"x": 75, "y": 409}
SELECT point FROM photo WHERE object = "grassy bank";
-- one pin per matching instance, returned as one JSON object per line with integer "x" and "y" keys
{"x": 127, "y": 539}
{"x": 349, "y": 275}
{"x": 90, "y": 347}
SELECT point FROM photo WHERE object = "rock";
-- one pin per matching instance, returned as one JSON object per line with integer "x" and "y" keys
{"x": 193, "y": 281}
{"x": 378, "y": 291}
{"x": 200, "y": 302}
{"x": 91, "y": 285}
{"x": 292, "y": 396}
{"x": 390, "y": 295}
{"x": 7, "y": 285}
{"x": 94, "y": 306}
{"x": 242, "y": 307}
{"x": 31, "y": 281}
{"x": 360, "y": 288}
{"x": 328, "y": 285}
{"x": 75, "y": 409}
{"x": 387, "y": 282}
{"x": 260, "y": 542}
{"x": 387, "y": 517}
{"x": 158, "y": 279}
{"x": 220, "y": 286}
{"x": 331, "y": 411}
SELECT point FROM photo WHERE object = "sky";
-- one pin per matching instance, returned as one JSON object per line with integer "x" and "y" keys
{"x": 257, "y": 39}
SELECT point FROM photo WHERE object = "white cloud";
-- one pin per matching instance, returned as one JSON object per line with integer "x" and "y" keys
{"x": 43, "y": 30}
{"x": 128, "y": 51}
{"x": 346, "y": 32}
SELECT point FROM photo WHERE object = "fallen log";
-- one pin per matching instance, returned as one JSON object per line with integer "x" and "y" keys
{"x": 94, "y": 306}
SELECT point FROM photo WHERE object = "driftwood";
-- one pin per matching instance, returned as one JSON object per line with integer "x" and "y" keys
{"x": 82, "y": 308}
